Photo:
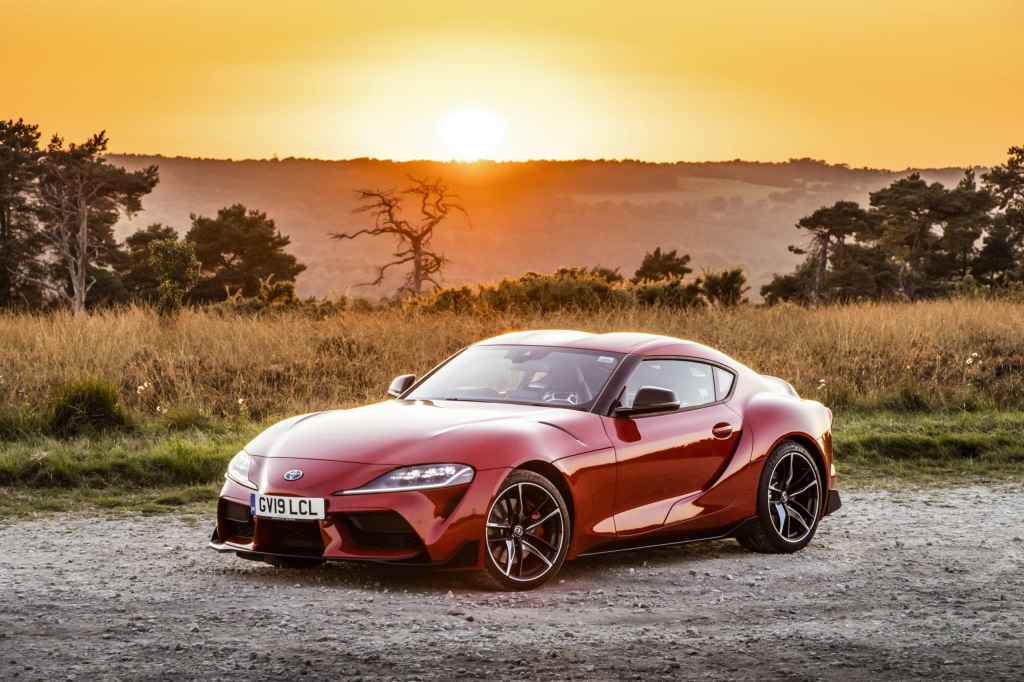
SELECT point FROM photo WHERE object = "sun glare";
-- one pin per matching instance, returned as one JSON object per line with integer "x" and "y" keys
{"x": 471, "y": 133}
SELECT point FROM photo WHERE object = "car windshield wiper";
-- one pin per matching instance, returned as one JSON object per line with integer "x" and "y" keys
{"x": 509, "y": 402}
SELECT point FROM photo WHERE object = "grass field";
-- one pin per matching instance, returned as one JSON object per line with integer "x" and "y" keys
{"x": 955, "y": 354}
{"x": 156, "y": 470}
{"x": 922, "y": 392}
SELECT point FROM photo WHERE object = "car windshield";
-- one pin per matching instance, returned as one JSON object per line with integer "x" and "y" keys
{"x": 530, "y": 375}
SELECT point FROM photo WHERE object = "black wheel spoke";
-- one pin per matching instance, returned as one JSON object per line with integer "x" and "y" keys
{"x": 529, "y": 546}
{"x": 540, "y": 542}
{"x": 544, "y": 519}
{"x": 794, "y": 476}
{"x": 801, "y": 508}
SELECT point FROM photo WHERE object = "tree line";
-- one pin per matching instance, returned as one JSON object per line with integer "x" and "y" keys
{"x": 915, "y": 240}
{"x": 59, "y": 204}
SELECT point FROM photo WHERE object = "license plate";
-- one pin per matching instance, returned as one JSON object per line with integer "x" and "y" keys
{"x": 278, "y": 507}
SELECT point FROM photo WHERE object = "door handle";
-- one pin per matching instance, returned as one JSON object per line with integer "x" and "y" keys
{"x": 722, "y": 430}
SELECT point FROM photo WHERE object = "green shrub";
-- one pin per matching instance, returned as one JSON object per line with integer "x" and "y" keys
{"x": 454, "y": 300}
{"x": 568, "y": 289}
{"x": 86, "y": 407}
{"x": 184, "y": 419}
{"x": 16, "y": 424}
{"x": 672, "y": 293}
{"x": 906, "y": 399}
{"x": 564, "y": 290}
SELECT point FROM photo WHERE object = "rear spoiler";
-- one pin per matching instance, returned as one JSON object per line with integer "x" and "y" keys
{"x": 780, "y": 385}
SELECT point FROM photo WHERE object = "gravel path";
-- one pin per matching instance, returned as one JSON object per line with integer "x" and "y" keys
{"x": 895, "y": 586}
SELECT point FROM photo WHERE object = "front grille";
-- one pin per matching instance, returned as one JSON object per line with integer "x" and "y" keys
{"x": 235, "y": 522}
{"x": 385, "y": 530}
{"x": 291, "y": 537}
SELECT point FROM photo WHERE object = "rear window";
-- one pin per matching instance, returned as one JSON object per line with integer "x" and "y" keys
{"x": 723, "y": 380}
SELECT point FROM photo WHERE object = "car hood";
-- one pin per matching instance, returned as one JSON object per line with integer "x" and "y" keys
{"x": 400, "y": 432}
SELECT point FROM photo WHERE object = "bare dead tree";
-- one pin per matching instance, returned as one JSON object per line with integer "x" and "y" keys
{"x": 413, "y": 239}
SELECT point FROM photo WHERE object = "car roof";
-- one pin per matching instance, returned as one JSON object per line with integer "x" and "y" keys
{"x": 614, "y": 342}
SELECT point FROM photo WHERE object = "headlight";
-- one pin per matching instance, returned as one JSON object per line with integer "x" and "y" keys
{"x": 416, "y": 478}
{"x": 238, "y": 469}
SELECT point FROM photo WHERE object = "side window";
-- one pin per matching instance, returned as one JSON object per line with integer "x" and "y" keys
{"x": 692, "y": 382}
{"x": 724, "y": 379}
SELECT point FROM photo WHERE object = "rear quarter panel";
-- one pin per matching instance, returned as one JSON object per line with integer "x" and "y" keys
{"x": 774, "y": 417}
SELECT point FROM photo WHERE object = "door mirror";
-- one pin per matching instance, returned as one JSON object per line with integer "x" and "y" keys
{"x": 649, "y": 400}
{"x": 401, "y": 384}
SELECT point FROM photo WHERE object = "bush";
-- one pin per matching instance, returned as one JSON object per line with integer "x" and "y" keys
{"x": 86, "y": 407}
{"x": 906, "y": 399}
{"x": 567, "y": 289}
{"x": 564, "y": 290}
{"x": 672, "y": 293}
{"x": 16, "y": 424}
{"x": 583, "y": 290}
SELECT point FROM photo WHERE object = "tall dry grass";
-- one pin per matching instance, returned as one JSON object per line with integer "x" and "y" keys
{"x": 943, "y": 354}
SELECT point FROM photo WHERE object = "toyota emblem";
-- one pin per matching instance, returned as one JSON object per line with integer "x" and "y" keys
{"x": 293, "y": 475}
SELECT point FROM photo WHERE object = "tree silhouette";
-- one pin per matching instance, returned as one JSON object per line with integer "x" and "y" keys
{"x": 1002, "y": 256}
{"x": 412, "y": 239}
{"x": 79, "y": 197}
{"x": 140, "y": 281}
{"x": 725, "y": 289}
{"x": 829, "y": 228}
{"x": 658, "y": 265}
{"x": 20, "y": 245}
{"x": 917, "y": 240}
{"x": 237, "y": 250}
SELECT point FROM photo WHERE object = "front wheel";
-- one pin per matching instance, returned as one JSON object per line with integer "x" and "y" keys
{"x": 789, "y": 505}
{"x": 527, "y": 533}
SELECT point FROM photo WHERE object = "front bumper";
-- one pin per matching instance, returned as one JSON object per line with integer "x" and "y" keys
{"x": 432, "y": 527}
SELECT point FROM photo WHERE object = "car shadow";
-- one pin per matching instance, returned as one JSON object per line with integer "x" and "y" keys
{"x": 604, "y": 566}
{"x": 585, "y": 572}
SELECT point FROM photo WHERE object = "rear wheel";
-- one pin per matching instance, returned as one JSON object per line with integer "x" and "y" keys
{"x": 788, "y": 502}
{"x": 527, "y": 533}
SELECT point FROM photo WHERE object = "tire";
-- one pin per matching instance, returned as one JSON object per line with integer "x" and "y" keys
{"x": 544, "y": 530}
{"x": 788, "y": 469}
{"x": 298, "y": 564}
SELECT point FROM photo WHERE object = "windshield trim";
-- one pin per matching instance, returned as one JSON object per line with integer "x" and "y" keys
{"x": 619, "y": 357}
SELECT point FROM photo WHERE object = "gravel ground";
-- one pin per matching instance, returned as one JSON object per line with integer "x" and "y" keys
{"x": 895, "y": 586}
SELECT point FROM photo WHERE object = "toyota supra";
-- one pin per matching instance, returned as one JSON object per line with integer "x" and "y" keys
{"x": 529, "y": 449}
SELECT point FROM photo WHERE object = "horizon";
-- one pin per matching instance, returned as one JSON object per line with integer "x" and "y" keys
{"x": 857, "y": 83}
{"x": 482, "y": 162}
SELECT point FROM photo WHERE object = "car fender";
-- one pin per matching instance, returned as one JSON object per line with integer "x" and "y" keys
{"x": 776, "y": 417}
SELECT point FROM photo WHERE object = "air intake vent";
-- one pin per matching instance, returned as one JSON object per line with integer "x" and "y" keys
{"x": 301, "y": 538}
{"x": 384, "y": 530}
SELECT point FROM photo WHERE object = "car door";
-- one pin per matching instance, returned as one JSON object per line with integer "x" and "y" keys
{"x": 667, "y": 457}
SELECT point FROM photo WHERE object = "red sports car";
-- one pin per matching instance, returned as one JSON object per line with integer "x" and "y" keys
{"x": 528, "y": 449}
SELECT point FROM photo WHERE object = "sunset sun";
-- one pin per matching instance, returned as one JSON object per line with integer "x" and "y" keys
{"x": 471, "y": 133}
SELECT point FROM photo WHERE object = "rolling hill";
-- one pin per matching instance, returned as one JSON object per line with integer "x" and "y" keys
{"x": 535, "y": 215}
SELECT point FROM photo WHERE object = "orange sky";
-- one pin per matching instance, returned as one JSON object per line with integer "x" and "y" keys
{"x": 866, "y": 82}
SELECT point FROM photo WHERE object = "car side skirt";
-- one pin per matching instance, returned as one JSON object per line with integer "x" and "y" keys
{"x": 637, "y": 544}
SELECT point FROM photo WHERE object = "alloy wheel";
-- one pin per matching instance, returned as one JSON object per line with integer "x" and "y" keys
{"x": 794, "y": 496}
{"x": 525, "y": 532}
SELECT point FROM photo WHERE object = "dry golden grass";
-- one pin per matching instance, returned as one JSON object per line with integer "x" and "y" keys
{"x": 901, "y": 356}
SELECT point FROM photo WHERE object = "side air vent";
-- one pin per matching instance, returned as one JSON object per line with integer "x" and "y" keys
{"x": 235, "y": 523}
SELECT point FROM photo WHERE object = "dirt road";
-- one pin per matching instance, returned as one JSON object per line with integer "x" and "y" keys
{"x": 895, "y": 586}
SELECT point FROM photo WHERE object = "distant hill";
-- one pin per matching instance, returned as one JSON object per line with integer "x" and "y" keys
{"x": 535, "y": 215}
